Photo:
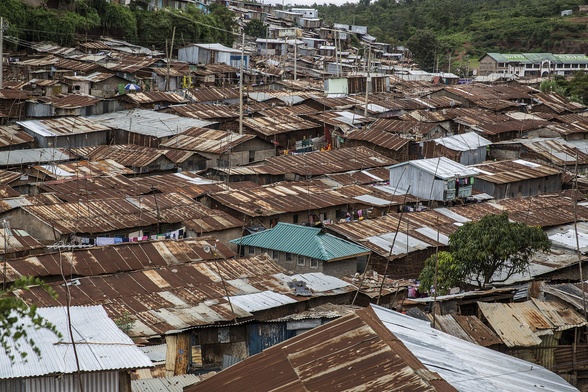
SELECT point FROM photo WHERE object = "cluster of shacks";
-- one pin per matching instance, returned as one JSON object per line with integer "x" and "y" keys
{"x": 137, "y": 190}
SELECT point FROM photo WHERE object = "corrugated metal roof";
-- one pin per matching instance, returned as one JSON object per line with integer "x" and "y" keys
{"x": 149, "y": 97}
{"x": 100, "y": 345}
{"x": 113, "y": 259}
{"x": 467, "y": 366}
{"x": 206, "y": 140}
{"x": 261, "y": 301}
{"x": 380, "y": 138}
{"x": 270, "y": 126}
{"x": 102, "y": 216}
{"x": 212, "y": 94}
{"x": 167, "y": 384}
{"x": 104, "y": 167}
{"x": 206, "y": 111}
{"x": 463, "y": 142}
{"x": 503, "y": 172}
{"x": 521, "y": 324}
{"x": 74, "y": 101}
{"x": 353, "y": 353}
{"x": 11, "y": 135}
{"x": 34, "y": 155}
{"x": 182, "y": 296}
{"x": 63, "y": 126}
{"x": 302, "y": 240}
{"x": 442, "y": 167}
{"x": 149, "y": 122}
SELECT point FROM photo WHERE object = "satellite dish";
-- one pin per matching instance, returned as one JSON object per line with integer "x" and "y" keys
{"x": 206, "y": 248}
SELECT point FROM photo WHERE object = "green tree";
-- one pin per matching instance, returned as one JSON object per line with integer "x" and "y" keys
{"x": 493, "y": 249}
{"x": 16, "y": 317}
{"x": 423, "y": 46}
{"x": 449, "y": 273}
{"x": 255, "y": 28}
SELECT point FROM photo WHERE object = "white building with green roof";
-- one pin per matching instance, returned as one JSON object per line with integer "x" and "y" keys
{"x": 304, "y": 249}
{"x": 532, "y": 64}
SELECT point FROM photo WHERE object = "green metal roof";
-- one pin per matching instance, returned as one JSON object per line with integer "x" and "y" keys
{"x": 535, "y": 58}
{"x": 302, "y": 240}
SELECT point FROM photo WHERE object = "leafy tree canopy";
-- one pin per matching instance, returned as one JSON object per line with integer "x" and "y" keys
{"x": 255, "y": 28}
{"x": 449, "y": 273}
{"x": 487, "y": 251}
{"x": 16, "y": 317}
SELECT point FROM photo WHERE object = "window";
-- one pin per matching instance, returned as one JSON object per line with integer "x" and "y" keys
{"x": 301, "y": 261}
{"x": 288, "y": 256}
{"x": 275, "y": 255}
{"x": 295, "y": 219}
{"x": 313, "y": 263}
{"x": 252, "y": 250}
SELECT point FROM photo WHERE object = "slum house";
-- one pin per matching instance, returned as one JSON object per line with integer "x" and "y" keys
{"x": 81, "y": 105}
{"x": 172, "y": 79}
{"x": 226, "y": 116}
{"x": 298, "y": 203}
{"x": 305, "y": 166}
{"x": 304, "y": 249}
{"x": 103, "y": 359}
{"x": 414, "y": 130}
{"x": 151, "y": 100}
{"x": 382, "y": 142}
{"x": 144, "y": 160}
{"x": 285, "y": 132}
{"x": 213, "y": 95}
{"x": 438, "y": 179}
{"x": 471, "y": 96}
{"x": 418, "y": 350}
{"x": 132, "y": 68}
{"x": 222, "y": 148}
{"x": 359, "y": 343}
{"x": 337, "y": 124}
{"x": 20, "y": 159}
{"x": 467, "y": 148}
{"x": 74, "y": 170}
{"x": 114, "y": 259}
{"x": 12, "y": 104}
{"x": 115, "y": 220}
{"x": 13, "y": 138}
{"x": 16, "y": 242}
{"x": 213, "y": 54}
{"x": 146, "y": 127}
{"x": 204, "y": 310}
{"x": 40, "y": 88}
{"x": 186, "y": 183}
{"x": 8, "y": 179}
{"x": 67, "y": 132}
{"x": 500, "y": 128}
{"x": 74, "y": 188}
{"x": 398, "y": 250}
{"x": 104, "y": 84}
{"x": 214, "y": 75}
{"x": 516, "y": 178}
{"x": 534, "y": 330}
{"x": 553, "y": 103}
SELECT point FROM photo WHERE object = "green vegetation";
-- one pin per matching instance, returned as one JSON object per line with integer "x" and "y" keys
{"x": 575, "y": 88}
{"x": 472, "y": 27}
{"x": 255, "y": 28}
{"x": 480, "y": 250}
{"x": 15, "y": 318}
{"x": 94, "y": 18}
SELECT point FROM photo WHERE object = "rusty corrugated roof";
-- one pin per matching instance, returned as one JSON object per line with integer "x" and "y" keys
{"x": 211, "y": 94}
{"x": 270, "y": 126}
{"x": 149, "y": 97}
{"x": 94, "y": 188}
{"x": 522, "y": 324}
{"x": 503, "y": 172}
{"x": 380, "y": 138}
{"x": 63, "y": 126}
{"x": 353, "y": 353}
{"x": 12, "y": 135}
{"x": 105, "y": 260}
{"x": 187, "y": 295}
{"x": 74, "y": 101}
{"x": 206, "y": 111}
{"x": 206, "y": 140}
{"x": 105, "y": 215}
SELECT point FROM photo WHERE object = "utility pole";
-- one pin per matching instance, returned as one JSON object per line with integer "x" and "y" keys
{"x": 169, "y": 56}
{"x": 1, "y": 52}
{"x": 367, "y": 80}
{"x": 241, "y": 82}
{"x": 295, "y": 56}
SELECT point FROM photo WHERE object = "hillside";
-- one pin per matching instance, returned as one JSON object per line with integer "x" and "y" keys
{"x": 472, "y": 27}
{"x": 89, "y": 19}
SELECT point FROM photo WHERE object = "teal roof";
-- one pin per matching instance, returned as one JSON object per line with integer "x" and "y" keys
{"x": 302, "y": 240}
{"x": 535, "y": 58}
